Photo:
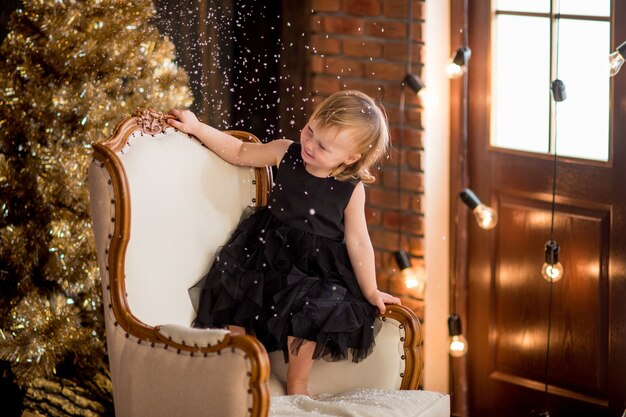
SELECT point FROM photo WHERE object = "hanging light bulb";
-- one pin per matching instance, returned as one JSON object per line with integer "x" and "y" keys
{"x": 411, "y": 278}
{"x": 458, "y": 66}
{"x": 416, "y": 84}
{"x": 616, "y": 59}
{"x": 486, "y": 217}
{"x": 458, "y": 342}
{"x": 552, "y": 269}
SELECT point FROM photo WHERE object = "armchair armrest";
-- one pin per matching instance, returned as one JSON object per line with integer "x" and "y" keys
{"x": 395, "y": 363}
{"x": 412, "y": 341}
{"x": 189, "y": 336}
{"x": 187, "y": 372}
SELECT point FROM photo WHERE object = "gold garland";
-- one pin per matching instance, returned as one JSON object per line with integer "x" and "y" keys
{"x": 73, "y": 69}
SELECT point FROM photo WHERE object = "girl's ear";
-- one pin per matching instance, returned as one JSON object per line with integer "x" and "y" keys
{"x": 352, "y": 159}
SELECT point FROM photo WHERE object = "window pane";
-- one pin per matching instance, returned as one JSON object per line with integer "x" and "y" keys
{"x": 521, "y": 83}
{"x": 586, "y": 7}
{"x": 535, "y": 6}
{"x": 583, "y": 118}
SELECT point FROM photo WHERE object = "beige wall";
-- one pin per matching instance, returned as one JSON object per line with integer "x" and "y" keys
{"x": 437, "y": 180}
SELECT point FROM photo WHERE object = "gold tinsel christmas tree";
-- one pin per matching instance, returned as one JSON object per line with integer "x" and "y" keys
{"x": 69, "y": 71}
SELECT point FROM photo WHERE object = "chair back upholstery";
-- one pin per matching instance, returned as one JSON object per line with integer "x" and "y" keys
{"x": 184, "y": 202}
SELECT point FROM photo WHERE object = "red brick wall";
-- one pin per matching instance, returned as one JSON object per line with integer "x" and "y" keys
{"x": 364, "y": 45}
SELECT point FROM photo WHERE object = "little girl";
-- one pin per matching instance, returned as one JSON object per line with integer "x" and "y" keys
{"x": 299, "y": 274}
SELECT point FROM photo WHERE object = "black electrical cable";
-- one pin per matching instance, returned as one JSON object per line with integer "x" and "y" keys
{"x": 401, "y": 123}
{"x": 557, "y": 97}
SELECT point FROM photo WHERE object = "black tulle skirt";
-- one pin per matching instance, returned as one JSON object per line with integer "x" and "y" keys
{"x": 277, "y": 281}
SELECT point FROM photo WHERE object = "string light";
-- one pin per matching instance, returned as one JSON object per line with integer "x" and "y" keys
{"x": 414, "y": 82}
{"x": 457, "y": 345}
{"x": 552, "y": 270}
{"x": 458, "y": 67}
{"x": 486, "y": 217}
{"x": 616, "y": 59}
{"x": 412, "y": 279}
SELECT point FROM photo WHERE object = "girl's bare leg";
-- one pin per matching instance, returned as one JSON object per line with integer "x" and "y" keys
{"x": 299, "y": 368}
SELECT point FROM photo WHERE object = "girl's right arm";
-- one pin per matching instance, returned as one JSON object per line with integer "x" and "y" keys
{"x": 361, "y": 252}
{"x": 227, "y": 147}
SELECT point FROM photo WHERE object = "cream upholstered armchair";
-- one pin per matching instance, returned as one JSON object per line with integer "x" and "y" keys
{"x": 161, "y": 205}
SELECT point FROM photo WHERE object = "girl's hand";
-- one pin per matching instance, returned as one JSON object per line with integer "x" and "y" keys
{"x": 184, "y": 120}
{"x": 379, "y": 299}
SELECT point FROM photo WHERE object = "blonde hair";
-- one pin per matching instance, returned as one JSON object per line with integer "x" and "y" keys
{"x": 360, "y": 113}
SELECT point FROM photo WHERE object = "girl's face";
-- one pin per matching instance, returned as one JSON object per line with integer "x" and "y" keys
{"x": 324, "y": 149}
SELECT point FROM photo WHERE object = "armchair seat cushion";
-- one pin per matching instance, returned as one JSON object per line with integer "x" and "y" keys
{"x": 364, "y": 402}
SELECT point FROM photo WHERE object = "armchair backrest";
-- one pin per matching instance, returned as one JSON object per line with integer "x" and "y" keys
{"x": 184, "y": 202}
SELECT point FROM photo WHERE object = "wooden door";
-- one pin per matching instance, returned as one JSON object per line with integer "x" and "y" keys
{"x": 510, "y": 308}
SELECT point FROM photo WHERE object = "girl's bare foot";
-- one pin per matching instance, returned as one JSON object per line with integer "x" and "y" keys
{"x": 297, "y": 387}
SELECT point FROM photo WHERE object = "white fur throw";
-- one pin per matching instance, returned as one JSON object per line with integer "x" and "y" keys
{"x": 363, "y": 403}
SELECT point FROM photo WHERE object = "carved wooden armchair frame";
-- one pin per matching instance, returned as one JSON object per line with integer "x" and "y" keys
{"x": 108, "y": 178}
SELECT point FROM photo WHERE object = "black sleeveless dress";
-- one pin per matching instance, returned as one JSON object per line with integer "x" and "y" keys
{"x": 285, "y": 271}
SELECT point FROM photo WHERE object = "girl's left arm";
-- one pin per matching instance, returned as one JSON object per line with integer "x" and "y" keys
{"x": 361, "y": 251}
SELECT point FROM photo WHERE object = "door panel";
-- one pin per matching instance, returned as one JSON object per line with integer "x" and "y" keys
{"x": 579, "y": 326}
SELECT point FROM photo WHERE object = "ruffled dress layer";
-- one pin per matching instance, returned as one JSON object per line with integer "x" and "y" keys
{"x": 285, "y": 271}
